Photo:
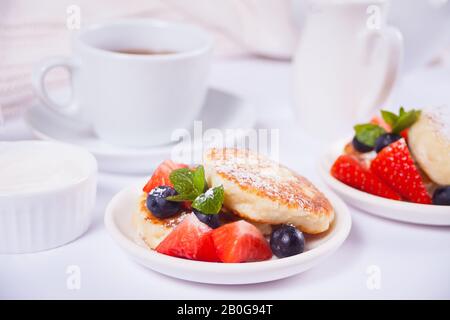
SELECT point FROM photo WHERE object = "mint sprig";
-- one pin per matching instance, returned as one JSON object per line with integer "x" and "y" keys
{"x": 389, "y": 117}
{"x": 190, "y": 186}
{"x": 188, "y": 183}
{"x": 402, "y": 121}
{"x": 209, "y": 202}
{"x": 368, "y": 133}
{"x": 198, "y": 179}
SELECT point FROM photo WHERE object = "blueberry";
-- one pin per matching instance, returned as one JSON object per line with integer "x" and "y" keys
{"x": 211, "y": 220}
{"x": 287, "y": 241}
{"x": 159, "y": 206}
{"x": 385, "y": 139}
{"x": 361, "y": 147}
{"x": 441, "y": 196}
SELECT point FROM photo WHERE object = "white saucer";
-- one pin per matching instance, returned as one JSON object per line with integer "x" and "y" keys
{"x": 387, "y": 208}
{"x": 221, "y": 111}
{"x": 119, "y": 226}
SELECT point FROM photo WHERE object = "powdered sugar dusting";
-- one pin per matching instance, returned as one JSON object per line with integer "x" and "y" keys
{"x": 441, "y": 117}
{"x": 267, "y": 178}
{"x": 209, "y": 194}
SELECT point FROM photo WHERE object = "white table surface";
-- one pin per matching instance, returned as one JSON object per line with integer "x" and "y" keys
{"x": 413, "y": 260}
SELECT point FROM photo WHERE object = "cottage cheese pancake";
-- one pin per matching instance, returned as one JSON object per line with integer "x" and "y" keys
{"x": 261, "y": 190}
{"x": 153, "y": 230}
{"x": 429, "y": 141}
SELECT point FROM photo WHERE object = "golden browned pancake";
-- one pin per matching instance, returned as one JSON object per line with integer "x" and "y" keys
{"x": 264, "y": 191}
{"x": 153, "y": 230}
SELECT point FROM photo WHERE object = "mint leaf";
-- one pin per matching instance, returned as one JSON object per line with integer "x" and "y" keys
{"x": 188, "y": 183}
{"x": 210, "y": 202}
{"x": 405, "y": 120}
{"x": 368, "y": 133}
{"x": 402, "y": 121}
{"x": 183, "y": 197}
{"x": 182, "y": 180}
{"x": 198, "y": 179}
{"x": 389, "y": 117}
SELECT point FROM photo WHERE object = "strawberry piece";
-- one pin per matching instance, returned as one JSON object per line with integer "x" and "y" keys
{"x": 191, "y": 239}
{"x": 395, "y": 166}
{"x": 404, "y": 134}
{"x": 351, "y": 172}
{"x": 379, "y": 121}
{"x": 240, "y": 241}
{"x": 160, "y": 176}
{"x": 187, "y": 205}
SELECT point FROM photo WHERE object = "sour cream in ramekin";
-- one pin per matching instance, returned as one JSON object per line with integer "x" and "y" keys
{"x": 47, "y": 194}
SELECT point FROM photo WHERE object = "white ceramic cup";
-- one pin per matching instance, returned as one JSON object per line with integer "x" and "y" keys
{"x": 133, "y": 99}
{"x": 345, "y": 65}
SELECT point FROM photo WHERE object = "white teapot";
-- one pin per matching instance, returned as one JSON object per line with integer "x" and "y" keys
{"x": 345, "y": 65}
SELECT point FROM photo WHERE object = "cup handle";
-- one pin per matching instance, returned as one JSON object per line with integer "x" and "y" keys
{"x": 393, "y": 40}
{"x": 38, "y": 79}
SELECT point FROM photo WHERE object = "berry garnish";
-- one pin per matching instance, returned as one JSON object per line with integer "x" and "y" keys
{"x": 287, "y": 241}
{"x": 191, "y": 185}
{"x": 158, "y": 204}
{"x": 160, "y": 176}
{"x": 360, "y": 147}
{"x": 240, "y": 241}
{"x": 191, "y": 239}
{"x": 441, "y": 196}
{"x": 404, "y": 134}
{"x": 379, "y": 121}
{"x": 401, "y": 122}
{"x": 351, "y": 172}
{"x": 395, "y": 166}
{"x": 386, "y": 139}
{"x": 212, "y": 220}
{"x": 367, "y": 134}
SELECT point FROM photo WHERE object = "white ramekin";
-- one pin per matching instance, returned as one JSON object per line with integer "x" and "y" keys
{"x": 43, "y": 219}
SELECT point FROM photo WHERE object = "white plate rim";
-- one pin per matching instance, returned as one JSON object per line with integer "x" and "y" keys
{"x": 323, "y": 250}
{"x": 339, "y": 187}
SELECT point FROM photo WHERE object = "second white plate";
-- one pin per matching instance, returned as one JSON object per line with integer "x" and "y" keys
{"x": 386, "y": 208}
{"x": 119, "y": 226}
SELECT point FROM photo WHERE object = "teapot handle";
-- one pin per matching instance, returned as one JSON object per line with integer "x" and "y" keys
{"x": 393, "y": 42}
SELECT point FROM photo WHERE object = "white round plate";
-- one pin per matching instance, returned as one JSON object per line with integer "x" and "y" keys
{"x": 387, "y": 208}
{"x": 221, "y": 111}
{"x": 118, "y": 223}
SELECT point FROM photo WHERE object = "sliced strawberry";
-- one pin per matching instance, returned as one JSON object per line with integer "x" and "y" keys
{"x": 395, "y": 166}
{"x": 191, "y": 239}
{"x": 187, "y": 205}
{"x": 240, "y": 241}
{"x": 160, "y": 176}
{"x": 379, "y": 121}
{"x": 404, "y": 134}
{"x": 351, "y": 172}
